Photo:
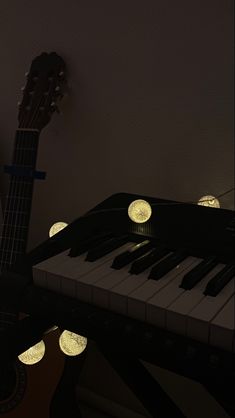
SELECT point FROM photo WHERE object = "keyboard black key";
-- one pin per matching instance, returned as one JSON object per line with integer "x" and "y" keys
{"x": 81, "y": 247}
{"x": 128, "y": 256}
{"x": 148, "y": 259}
{"x": 167, "y": 264}
{"x": 106, "y": 247}
{"x": 219, "y": 281}
{"x": 198, "y": 272}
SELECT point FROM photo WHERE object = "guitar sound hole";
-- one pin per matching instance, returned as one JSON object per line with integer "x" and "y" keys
{"x": 7, "y": 382}
{"x": 13, "y": 380}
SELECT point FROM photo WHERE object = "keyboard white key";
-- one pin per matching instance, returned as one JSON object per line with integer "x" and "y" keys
{"x": 67, "y": 275}
{"x": 121, "y": 294}
{"x": 199, "y": 319}
{"x": 41, "y": 270}
{"x": 178, "y": 311}
{"x": 222, "y": 327}
{"x": 138, "y": 299}
{"x": 157, "y": 305}
{"x": 104, "y": 288}
{"x": 109, "y": 279}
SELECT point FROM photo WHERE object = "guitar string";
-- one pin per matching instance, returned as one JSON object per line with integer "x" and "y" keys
{"x": 7, "y": 219}
{"x": 14, "y": 205}
{"x": 8, "y": 249}
{"x": 24, "y": 187}
{"x": 22, "y": 184}
{"x": 5, "y": 258}
{"x": 18, "y": 187}
{"x": 21, "y": 187}
{"x": 30, "y": 183}
{"x": 21, "y": 136}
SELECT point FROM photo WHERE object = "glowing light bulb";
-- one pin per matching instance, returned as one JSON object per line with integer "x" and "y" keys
{"x": 33, "y": 355}
{"x": 72, "y": 344}
{"x": 139, "y": 211}
{"x": 210, "y": 201}
{"x": 56, "y": 227}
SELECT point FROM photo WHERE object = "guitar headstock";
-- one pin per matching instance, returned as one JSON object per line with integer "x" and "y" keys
{"x": 45, "y": 85}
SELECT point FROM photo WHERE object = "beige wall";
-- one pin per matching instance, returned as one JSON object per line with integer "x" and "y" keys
{"x": 149, "y": 107}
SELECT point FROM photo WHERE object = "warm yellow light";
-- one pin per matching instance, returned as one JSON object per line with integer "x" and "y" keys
{"x": 56, "y": 227}
{"x": 33, "y": 355}
{"x": 210, "y": 201}
{"x": 72, "y": 344}
{"x": 139, "y": 211}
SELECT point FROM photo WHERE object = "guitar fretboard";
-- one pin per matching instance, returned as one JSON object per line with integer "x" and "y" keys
{"x": 19, "y": 200}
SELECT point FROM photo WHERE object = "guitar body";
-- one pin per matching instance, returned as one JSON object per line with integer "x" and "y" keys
{"x": 26, "y": 391}
{"x": 36, "y": 384}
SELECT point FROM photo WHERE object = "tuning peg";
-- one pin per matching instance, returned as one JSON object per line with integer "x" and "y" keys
{"x": 26, "y": 74}
{"x": 18, "y": 103}
{"x": 61, "y": 73}
{"x": 55, "y": 107}
{"x": 22, "y": 88}
{"x": 57, "y": 88}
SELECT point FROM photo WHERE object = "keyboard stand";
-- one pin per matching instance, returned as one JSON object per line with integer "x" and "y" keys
{"x": 150, "y": 393}
{"x": 143, "y": 385}
{"x": 223, "y": 393}
{"x": 48, "y": 309}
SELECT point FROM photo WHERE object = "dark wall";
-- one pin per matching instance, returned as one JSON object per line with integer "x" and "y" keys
{"x": 149, "y": 107}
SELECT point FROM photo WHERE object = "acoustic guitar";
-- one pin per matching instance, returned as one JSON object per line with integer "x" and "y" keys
{"x": 26, "y": 391}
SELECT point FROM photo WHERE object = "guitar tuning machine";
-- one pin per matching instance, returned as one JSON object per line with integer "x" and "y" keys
{"x": 55, "y": 107}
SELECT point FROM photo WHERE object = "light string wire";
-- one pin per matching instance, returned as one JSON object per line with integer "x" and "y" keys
{"x": 21, "y": 136}
{"x": 94, "y": 212}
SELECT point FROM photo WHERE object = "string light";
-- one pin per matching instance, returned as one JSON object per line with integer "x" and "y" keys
{"x": 209, "y": 201}
{"x": 139, "y": 211}
{"x": 56, "y": 227}
{"x": 72, "y": 344}
{"x": 33, "y": 355}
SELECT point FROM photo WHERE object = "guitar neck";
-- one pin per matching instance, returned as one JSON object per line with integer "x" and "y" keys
{"x": 19, "y": 200}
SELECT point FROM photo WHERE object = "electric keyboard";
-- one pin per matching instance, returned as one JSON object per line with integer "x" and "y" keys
{"x": 175, "y": 272}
